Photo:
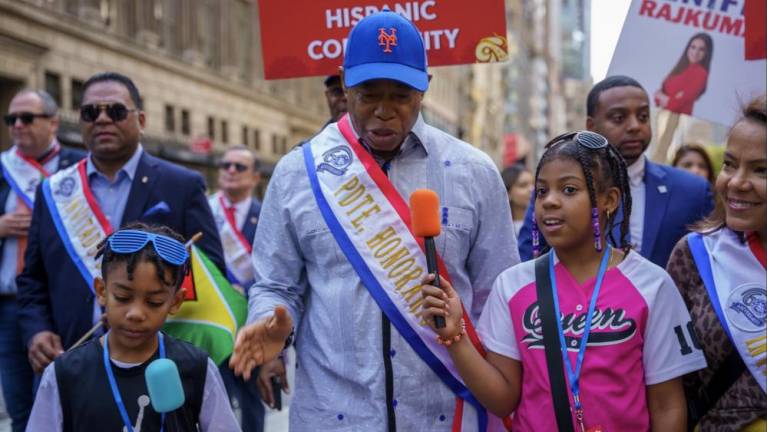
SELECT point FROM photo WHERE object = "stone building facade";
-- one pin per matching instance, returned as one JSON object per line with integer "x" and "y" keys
{"x": 198, "y": 66}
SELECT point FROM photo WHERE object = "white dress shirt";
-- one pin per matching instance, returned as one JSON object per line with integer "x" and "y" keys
{"x": 240, "y": 210}
{"x": 636, "y": 182}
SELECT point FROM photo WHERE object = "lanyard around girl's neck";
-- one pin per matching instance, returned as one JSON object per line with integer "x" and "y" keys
{"x": 116, "y": 390}
{"x": 574, "y": 376}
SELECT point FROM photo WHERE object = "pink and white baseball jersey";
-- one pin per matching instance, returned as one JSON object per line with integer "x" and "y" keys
{"x": 640, "y": 335}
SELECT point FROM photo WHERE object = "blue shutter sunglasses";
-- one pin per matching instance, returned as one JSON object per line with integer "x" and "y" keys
{"x": 130, "y": 241}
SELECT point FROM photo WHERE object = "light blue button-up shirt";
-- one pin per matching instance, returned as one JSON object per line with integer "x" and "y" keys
{"x": 340, "y": 378}
{"x": 112, "y": 196}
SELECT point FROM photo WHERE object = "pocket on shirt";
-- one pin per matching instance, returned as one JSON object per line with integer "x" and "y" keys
{"x": 458, "y": 228}
{"x": 319, "y": 246}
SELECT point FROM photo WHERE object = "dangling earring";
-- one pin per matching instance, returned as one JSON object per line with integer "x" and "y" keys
{"x": 536, "y": 238}
{"x": 597, "y": 233}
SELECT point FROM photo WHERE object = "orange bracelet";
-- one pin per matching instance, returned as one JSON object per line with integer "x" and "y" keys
{"x": 449, "y": 341}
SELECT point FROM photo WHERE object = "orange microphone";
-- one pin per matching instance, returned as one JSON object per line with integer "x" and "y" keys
{"x": 424, "y": 211}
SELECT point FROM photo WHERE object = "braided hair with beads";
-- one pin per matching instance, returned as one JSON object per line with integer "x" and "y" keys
{"x": 595, "y": 156}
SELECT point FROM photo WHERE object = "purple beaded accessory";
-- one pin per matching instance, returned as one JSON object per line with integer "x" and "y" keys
{"x": 536, "y": 238}
{"x": 597, "y": 233}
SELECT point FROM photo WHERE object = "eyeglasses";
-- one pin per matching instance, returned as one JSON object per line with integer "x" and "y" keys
{"x": 130, "y": 241}
{"x": 25, "y": 117}
{"x": 224, "y": 165}
{"x": 590, "y": 140}
{"x": 116, "y": 111}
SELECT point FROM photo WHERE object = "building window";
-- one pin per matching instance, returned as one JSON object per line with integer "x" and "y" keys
{"x": 224, "y": 132}
{"x": 284, "y": 145}
{"x": 186, "y": 128}
{"x": 211, "y": 128}
{"x": 76, "y": 98}
{"x": 245, "y": 136}
{"x": 170, "y": 118}
{"x": 256, "y": 139}
{"x": 275, "y": 144}
{"x": 53, "y": 86}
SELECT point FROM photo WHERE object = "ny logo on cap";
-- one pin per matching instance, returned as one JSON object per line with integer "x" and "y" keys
{"x": 387, "y": 40}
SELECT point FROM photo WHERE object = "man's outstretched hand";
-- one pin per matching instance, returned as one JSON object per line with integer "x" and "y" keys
{"x": 260, "y": 342}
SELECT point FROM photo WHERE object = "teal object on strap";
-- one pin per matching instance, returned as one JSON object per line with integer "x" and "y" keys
{"x": 164, "y": 385}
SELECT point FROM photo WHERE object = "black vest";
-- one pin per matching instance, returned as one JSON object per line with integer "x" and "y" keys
{"x": 87, "y": 403}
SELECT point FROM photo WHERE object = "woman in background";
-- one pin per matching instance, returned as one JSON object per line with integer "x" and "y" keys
{"x": 687, "y": 81}
{"x": 695, "y": 159}
{"x": 519, "y": 185}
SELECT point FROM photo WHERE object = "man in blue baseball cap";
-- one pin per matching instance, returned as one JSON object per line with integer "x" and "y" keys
{"x": 338, "y": 264}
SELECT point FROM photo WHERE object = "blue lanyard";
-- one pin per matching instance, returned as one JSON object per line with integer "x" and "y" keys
{"x": 574, "y": 376}
{"x": 116, "y": 391}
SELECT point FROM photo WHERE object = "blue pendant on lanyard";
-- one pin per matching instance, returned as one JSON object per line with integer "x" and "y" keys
{"x": 574, "y": 375}
{"x": 116, "y": 391}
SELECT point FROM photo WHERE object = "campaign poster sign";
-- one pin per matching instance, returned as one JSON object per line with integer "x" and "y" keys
{"x": 302, "y": 38}
{"x": 692, "y": 56}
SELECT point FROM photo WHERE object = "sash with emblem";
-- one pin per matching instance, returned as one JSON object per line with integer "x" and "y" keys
{"x": 79, "y": 221}
{"x": 736, "y": 282}
{"x": 370, "y": 221}
{"x": 23, "y": 173}
{"x": 237, "y": 250}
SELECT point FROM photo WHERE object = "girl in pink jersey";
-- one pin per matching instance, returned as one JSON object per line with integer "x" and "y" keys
{"x": 619, "y": 314}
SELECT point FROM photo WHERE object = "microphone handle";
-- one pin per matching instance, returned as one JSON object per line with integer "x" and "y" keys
{"x": 431, "y": 267}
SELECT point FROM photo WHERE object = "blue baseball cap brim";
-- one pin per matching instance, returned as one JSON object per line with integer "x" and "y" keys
{"x": 407, "y": 75}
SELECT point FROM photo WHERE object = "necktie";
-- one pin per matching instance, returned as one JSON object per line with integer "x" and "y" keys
{"x": 231, "y": 214}
{"x": 21, "y": 245}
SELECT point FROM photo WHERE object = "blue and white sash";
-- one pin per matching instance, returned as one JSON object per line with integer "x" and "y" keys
{"x": 239, "y": 267}
{"x": 23, "y": 174}
{"x": 79, "y": 221}
{"x": 736, "y": 283}
{"x": 371, "y": 223}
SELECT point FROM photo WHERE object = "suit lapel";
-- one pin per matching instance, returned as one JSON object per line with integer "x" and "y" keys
{"x": 656, "y": 200}
{"x": 143, "y": 181}
{"x": 249, "y": 227}
{"x": 67, "y": 158}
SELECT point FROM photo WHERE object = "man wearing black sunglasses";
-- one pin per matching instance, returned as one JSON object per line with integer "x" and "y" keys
{"x": 116, "y": 184}
{"x": 32, "y": 121}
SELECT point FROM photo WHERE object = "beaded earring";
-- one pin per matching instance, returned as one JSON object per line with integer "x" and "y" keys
{"x": 597, "y": 233}
{"x": 536, "y": 238}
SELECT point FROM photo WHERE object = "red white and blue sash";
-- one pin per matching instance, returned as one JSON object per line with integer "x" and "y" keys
{"x": 736, "y": 282}
{"x": 239, "y": 267}
{"x": 79, "y": 221}
{"x": 371, "y": 223}
{"x": 24, "y": 173}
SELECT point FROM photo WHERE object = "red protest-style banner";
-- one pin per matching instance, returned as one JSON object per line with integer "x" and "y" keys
{"x": 755, "y": 12}
{"x": 302, "y": 38}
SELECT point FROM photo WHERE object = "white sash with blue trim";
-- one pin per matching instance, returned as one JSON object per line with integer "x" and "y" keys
{"x": 366, "y": 219}
{"x": 22, "y": 176}
{"x": 737, "y": 287}
{"x": 239, "y": 267}
{"x": 79, "y": 221}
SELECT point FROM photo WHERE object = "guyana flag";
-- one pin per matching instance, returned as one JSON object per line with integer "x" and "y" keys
{"x": 212, "y": 311}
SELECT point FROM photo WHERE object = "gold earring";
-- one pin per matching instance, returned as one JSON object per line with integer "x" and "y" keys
{"x": 608, "y": 214}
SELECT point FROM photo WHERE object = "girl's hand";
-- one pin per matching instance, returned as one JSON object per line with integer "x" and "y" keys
{"x": 441, "y": 302}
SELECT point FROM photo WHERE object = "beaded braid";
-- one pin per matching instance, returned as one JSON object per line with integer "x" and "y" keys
{"x": 619, "y": 171}
{"x": 586, "y": 165}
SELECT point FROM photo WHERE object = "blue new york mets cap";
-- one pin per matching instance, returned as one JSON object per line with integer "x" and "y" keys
{"x": 385, "y": 45}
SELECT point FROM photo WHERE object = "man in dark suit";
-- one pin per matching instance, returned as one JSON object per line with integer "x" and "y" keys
{"x": 32, "y": 120}
{"x": 666, "y": 200}
{"x": 116, "y": 184}
{"x": 236, "y": 212}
